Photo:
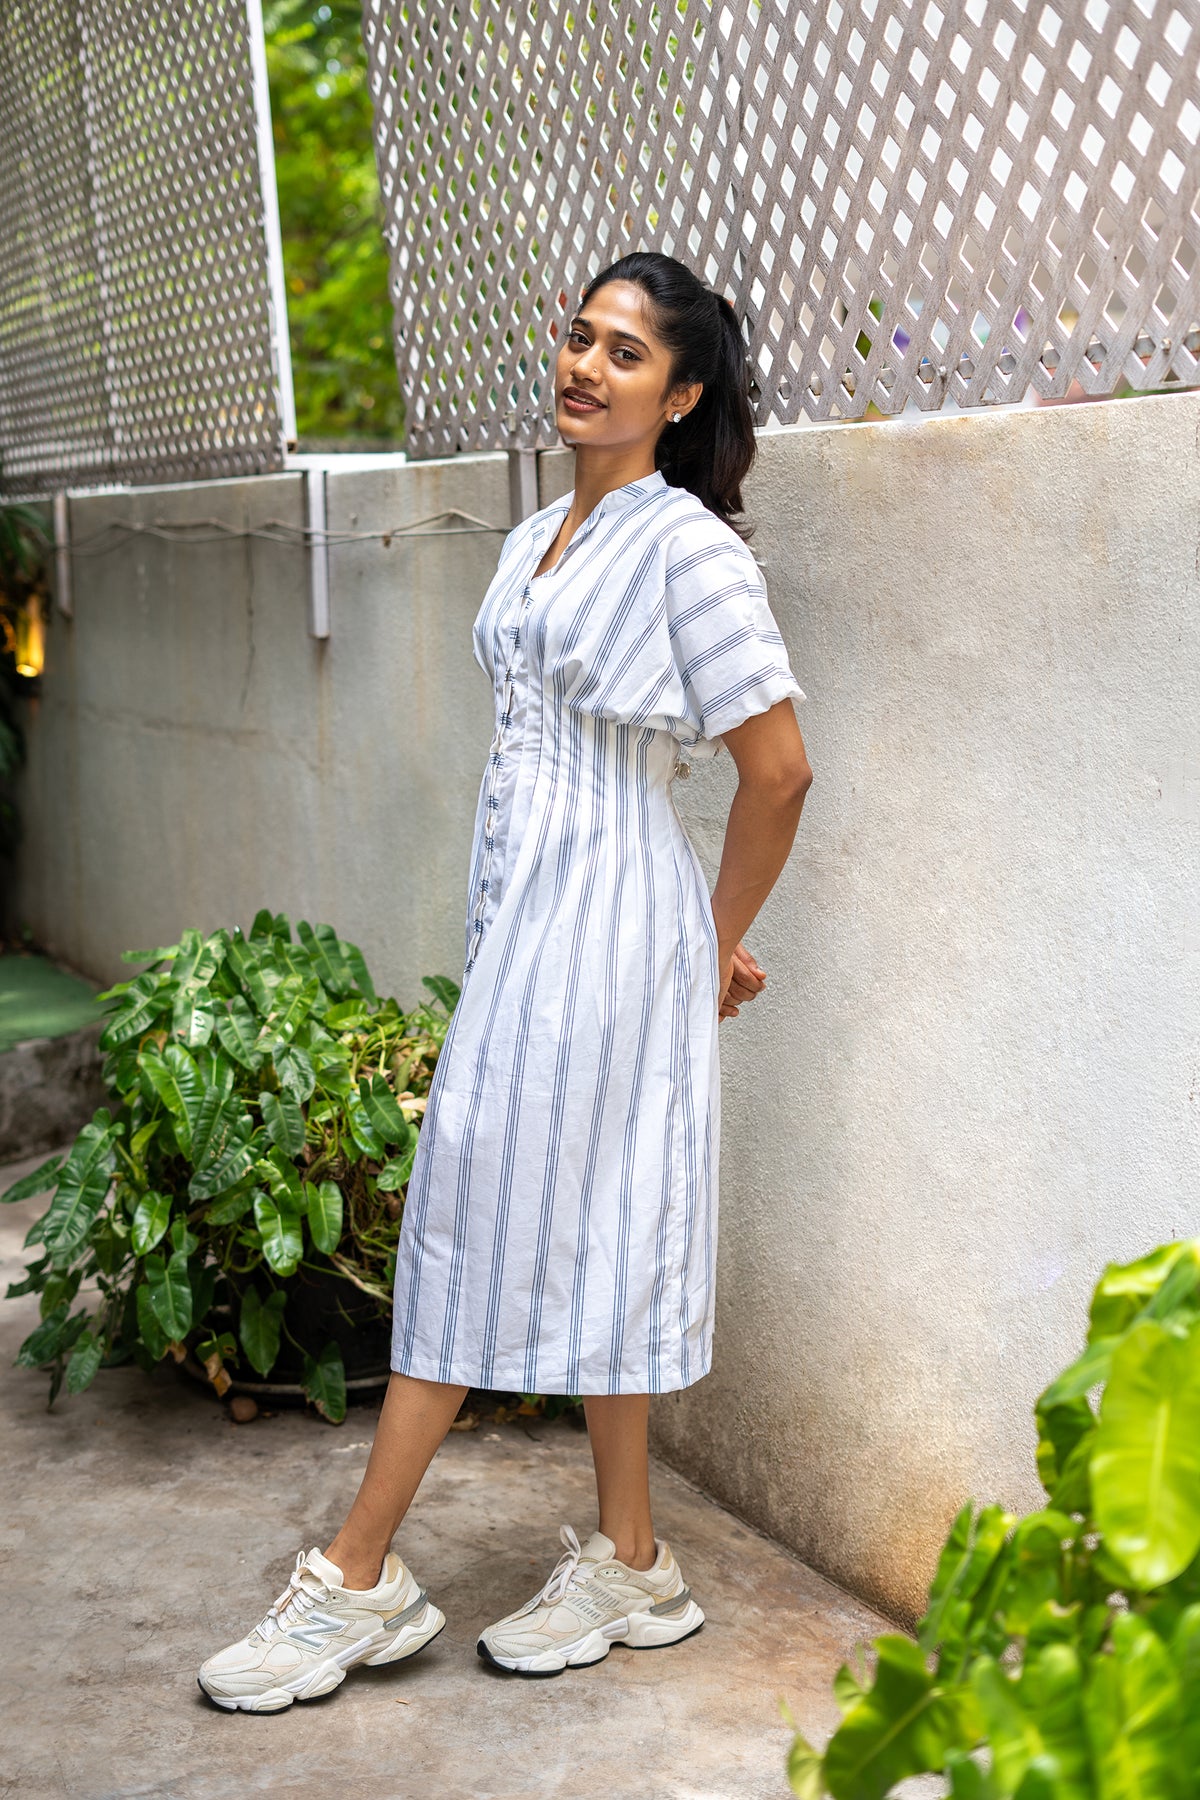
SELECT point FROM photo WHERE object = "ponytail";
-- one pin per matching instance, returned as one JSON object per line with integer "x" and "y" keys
{"x": 711, "y": 449}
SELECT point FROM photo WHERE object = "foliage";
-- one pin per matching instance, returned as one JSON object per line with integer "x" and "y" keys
{"x": 331, "y": 216}
{"x": 1059, "y": 1657}
{"x": 264, "y": 1119}
{"x": 24, "y": 546}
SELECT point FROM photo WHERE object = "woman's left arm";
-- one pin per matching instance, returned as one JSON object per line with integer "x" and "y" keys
{"x": 773, "y": 777}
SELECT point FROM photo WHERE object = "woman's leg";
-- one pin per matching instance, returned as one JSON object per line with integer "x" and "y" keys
{"x": 415, "y": 1418}
{"x": 618, "y": 1426}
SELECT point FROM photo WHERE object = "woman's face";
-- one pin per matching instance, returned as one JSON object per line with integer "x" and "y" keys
{"x": 612, "y": 356}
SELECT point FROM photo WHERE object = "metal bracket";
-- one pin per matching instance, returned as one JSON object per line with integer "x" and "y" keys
{"x": 522, "y": 484}
{"x": 316, "y": 521}
{"x": 61, "y": 514}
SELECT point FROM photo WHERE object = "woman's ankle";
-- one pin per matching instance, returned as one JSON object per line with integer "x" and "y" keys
{"x": 360, "y": 1572}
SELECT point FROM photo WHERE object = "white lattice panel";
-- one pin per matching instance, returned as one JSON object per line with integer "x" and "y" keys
{"x": 136, "y": 338}
{"x": 908, "y": 202}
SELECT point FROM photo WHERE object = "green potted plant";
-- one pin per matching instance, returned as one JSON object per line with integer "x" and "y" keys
{"x": 1059, "y": 1656}
{"x": 239, "y": 1201}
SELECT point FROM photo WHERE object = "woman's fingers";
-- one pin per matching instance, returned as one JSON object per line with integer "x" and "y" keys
{"x": 741, "y": 979}
{"x": 748, "y": 978}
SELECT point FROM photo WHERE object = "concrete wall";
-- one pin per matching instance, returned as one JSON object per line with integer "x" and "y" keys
{"x": 974, "y": 1077}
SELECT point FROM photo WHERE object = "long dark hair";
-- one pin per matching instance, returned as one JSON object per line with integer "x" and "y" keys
{"x": 713, "y": 446}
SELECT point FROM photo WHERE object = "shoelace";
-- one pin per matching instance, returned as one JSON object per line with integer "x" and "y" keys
{"x": 565, "y": 1569}
{"x": 302, "y": 1592}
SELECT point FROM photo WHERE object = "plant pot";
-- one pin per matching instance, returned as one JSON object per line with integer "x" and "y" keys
{"x": 321, "y": 1306}
{"x": 272, "y": 1394}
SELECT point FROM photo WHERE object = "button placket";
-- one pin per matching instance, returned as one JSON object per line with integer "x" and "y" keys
{"x": 495, "y": 759}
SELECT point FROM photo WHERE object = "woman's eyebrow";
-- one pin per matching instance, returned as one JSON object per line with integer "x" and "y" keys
{"x": 580, "y": 320}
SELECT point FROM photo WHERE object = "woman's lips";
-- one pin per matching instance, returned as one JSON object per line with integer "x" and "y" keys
{"x": 574, "y": 404}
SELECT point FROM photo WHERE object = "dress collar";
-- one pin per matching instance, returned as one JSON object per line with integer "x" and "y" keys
{"x": 615, "y": 500}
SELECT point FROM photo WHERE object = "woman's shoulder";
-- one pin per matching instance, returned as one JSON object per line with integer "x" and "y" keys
{"x": 695, "y": 535}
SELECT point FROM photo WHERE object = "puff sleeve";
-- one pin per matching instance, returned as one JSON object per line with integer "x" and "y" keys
{"x": 727, "y": 648}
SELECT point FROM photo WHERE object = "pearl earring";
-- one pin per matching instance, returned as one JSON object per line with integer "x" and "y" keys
{"x": 677, "y": 417}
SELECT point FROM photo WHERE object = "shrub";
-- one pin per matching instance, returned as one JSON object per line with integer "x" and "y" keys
{"x": 1059, "y": 1657}
{"x": 264, "y": 1117}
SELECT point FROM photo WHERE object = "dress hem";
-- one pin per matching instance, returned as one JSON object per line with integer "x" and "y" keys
{"x": 499, "y": 1382}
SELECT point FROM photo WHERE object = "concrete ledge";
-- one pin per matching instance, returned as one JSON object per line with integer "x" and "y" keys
{"x": 49, "y": 1089}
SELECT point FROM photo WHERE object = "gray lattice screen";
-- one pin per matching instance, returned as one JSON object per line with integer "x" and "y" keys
{"x": 908, "y": 201}
{"x": 136, "y": 311}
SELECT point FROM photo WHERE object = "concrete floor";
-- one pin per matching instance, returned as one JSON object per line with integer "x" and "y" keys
{"x": 140, "y": 1529}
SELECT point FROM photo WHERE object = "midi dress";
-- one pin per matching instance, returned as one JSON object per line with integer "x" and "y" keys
{"x": 559, "y": 1233}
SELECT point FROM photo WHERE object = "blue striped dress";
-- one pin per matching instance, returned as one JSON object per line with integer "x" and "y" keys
{"x": 559, "y": 1234}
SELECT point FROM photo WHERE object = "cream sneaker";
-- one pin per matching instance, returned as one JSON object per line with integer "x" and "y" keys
{"x": 316, "y": 1630}
{"x": 590, "y": 1602}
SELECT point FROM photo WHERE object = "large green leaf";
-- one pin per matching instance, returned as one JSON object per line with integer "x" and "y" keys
{"x": 257, "y": 979}
{"x": 348, "y": 1015}
{"x": 267, "y": 924}
{"x": 259, "y": 1327}
{"x": 358, "y": 968}
{"x": 38, "y": 1182}
{"x": 381, "y": 1108}
{"x": 281, "y": 1232}
{"x": 229, "y": 1208}
{"x": 904, "y": 1726}
{"x": 45, "y": 1340}
{"x": 443, "y": 989}
{"x": 152, "y": 1334}
{"x": 324, "y": 1382}
{"x": 170, "y": 1294}
{"x": 231, "y": 1166}
{"x": 284, "y": 1121}
{"x": 283, "y": 1180}
{"x": 296, "y": 1073}
{"x": 178, "y": 1084}
{"x": 968, "y": 1558}
{"x": 328, "y": 958}
{"x": 1185, "y": 1654}
{"x": 194, "y": 1016}
{"x": 198, "y": 958}
{"x": 151, "y": 1218}
{"x": 361, "y": 1129}
{"x": 217, "y": 1124}
{"x": 291, "y": 1004}
{"x": 1134, "y": 1717}
{"x": 1065, "y": 1434}
{"x": 237, "y": 1031}
{"x": 1085, "y": 1373}
{"x": 1035, "y": 1576}
{"x": 83, "y": 1185}
{"x": 325, "y": 1214}
{"x": 1036, "y": 1718}
{"x": 393, "y": 1176}
{"x": 1146, "y": 1460}
{"x": 1125, "y": 1288}
{"x": 143, "y": 999}
{"x": 804, "y": 1770}
{"x": 85, "y": 1360}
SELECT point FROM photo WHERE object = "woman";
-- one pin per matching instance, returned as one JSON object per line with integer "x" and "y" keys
{"x": 559, "y": 1232}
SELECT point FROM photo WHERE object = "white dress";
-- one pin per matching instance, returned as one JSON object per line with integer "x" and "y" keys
{"x": 559, "y": 1234}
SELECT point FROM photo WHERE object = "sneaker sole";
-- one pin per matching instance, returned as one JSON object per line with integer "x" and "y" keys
{"x": 637, "y": 1631}
{"x": 324, "y": 1677}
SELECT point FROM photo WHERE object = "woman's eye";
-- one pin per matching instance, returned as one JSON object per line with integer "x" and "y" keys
{"x": 623, "y": 350}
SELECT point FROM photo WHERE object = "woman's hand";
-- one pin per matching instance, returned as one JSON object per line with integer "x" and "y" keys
{"x": 739, "y": 979}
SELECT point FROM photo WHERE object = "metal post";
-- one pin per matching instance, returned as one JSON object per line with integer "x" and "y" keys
{"x": 62, "y": 553}
{"x": 272, "y": 234}
{"x": 522, "y": 484}
{"x": 316, "y": 519}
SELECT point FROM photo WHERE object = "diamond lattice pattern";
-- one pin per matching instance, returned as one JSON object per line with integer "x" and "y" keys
{"x": 907, "y": 201}
{"x": 135, "y": 318}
